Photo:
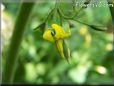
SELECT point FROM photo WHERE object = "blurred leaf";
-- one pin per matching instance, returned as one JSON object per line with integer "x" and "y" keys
{"x": 41, "y": 27}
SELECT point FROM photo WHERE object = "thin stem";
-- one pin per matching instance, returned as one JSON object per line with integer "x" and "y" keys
{"x": 51, "y": 11}
{"x": 49, "y": 15}
{"x": 70, "y": 18}
{"x": 12, "y": 59}
{"x": 75, "y": 13}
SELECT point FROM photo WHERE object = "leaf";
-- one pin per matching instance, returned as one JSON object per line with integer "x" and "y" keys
{"x": 41, "y": 27}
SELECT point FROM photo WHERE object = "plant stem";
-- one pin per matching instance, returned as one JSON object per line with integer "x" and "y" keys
{"x": 112, "y": 15}
{"x": 11, "y": 58}
{"x": 112, "y": 12}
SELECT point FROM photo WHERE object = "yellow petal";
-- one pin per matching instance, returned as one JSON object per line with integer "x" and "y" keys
{"x": 47, "y": 36}
{"x": 59, "y": 45}
{"x": 60, "y": 33}
{"x": 55, "y": 26}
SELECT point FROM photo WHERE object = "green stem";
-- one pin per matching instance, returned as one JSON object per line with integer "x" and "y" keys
{"x": 112, "y": 15}
{"x": 12, "y": 59}
{"x": 52, "y": 10}
{"x": 112, "y": 12}
{"x": 49, "y": 15}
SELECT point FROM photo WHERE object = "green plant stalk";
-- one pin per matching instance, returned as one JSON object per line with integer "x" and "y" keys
{"x": 111, "y": 9}
{"x": 11, "y": 58}
{"x": 112, "y": 13}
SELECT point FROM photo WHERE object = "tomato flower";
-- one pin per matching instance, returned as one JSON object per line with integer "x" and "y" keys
{"x": 56, "y": 35}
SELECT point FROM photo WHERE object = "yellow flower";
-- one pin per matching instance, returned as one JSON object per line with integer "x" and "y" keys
{"x": 56, "y": 35}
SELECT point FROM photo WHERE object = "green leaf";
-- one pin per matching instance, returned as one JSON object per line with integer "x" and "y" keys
{"x": 41, "y": 27}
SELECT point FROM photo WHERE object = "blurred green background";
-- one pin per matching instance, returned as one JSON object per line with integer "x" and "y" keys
{"x": 39, "y": 61}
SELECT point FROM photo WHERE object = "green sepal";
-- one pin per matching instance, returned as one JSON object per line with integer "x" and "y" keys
{"x": 41, "y": 27}
{"x": 66, "y": 51}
